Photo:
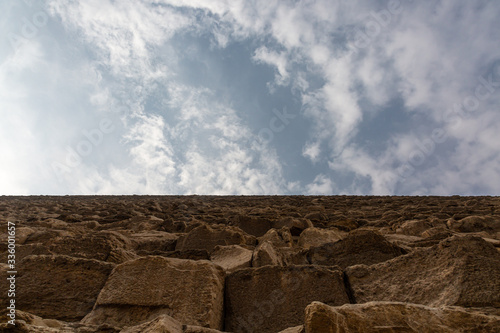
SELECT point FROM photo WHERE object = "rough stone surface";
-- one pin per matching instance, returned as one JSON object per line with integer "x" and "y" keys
{"x": 440, "y": 232}
{"x": 29, "y": 323}
{"x": 253, "y": 225}
{"x": 462, "y": 271}
{"x": 474, "y": 224}
{"x": 405, "y": 241}
{"x": 272, "y": 298}
{"x": 184, "y": 254}
{"x": 25, "y": 250}
{"x": 359, "y": 247}
{"x": 189, "y": 291}
{"x": 278, "y": 237}
{"x": 266, "y": 254}
{"x": 417, "y": 227}
{"x": 58, "y": 286}
{"x": 22, "y": 235}
{"x": 317, "y": 237}
{"x": 396, "y": 317}
{"x": 294, "y": 256}
{"x": 296, "y": 225}
{"x": 163, "y": 324}
{"x": 439, "y": 263}
{"x": 47, "y": 236}
{"x": 296, "y": 329}
{"x": 207, "y": 237}
{"x": 99, "y": 245}
{"x": 198, "y": 329}
{"x": 231, "y": 257}
{"x": 153, "y": 241}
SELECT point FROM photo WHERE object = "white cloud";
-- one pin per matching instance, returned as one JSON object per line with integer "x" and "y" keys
{"x": 123, "y": 31}
{"x": 218, "y": 153}
{"x": 322, "y": 185}
{"x": 119, "y": 58}
{"x": 312, "y": 151}
{"x": 278, "y": 60}
{"x": 206, "y": 152}
{"x": 382, "y": 178}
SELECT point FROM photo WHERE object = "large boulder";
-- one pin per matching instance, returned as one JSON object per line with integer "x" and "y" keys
{"x": 396, "y": 317}
{"x": 296, "y": 225}
{"x": 294, "y": 256}
{"x": 47, "y": 236}
{"x": 207, "y": 237}
{"x": 266, "y": 254}
{"x": 149, "y": 241}
{"x": 58, "y": 286}
{"x": 103, "y": 245}
{"x": 142, "y": 289}
{"x": 417, "y": 227}
{"x": 25, "y": 250}
{"x": 135, "y": 223}
{"x": 359, "y": 247}
{"x": 463, "y": 271}
{"x": 439, "y": 232}
{"x": 231, "y": 257}
{"x": 278, "y": 237}
{"x": 273, "y": 298}
{"x": 253, "y": 225}
{"x": 475, "y": 224}
{"x": 317, "y": 237}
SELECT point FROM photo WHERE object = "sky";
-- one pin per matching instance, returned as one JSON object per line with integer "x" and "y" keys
{"x": 308, "y": 97}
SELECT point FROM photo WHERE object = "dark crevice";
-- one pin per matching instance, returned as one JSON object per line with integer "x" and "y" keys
{"x": 348, "y": 289}
{"x": 308, "y": 257}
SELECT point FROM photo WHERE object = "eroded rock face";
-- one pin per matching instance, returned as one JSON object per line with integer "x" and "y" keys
{"x": 207, "y": 237}
{"x": 231, "y": 257}
{"x": 162, "y": 323}
{"x": 253, "y": 225}
{"x": 25, "y": 250}
{"x": 278, "y": 237}
{"x": 265, "y": 254}
{"x": 409, "y": 249}
{"x": 27, "y": 322}
{"x": 142, "y": 289}
{"x": 273, "y": 298}
{"x": 396, "y": 317}
{"x": 152, "y": 241}
{"x": 105, "y": 246}
{"x": 417, "y": 227}
{"x": 317, "y": 237}
{"x": 60, "y": 287}
{"x": 296, "y": 225}
{"x": 296, "y": 329}
{"x": 463, "y": 271}
{"x": 359, "y": 247}
{"x": 475, "y": 224}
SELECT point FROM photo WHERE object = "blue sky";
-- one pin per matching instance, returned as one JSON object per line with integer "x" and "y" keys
{"x": 392, "y": 97}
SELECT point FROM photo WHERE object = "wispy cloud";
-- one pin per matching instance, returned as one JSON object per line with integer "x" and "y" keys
{"x": 375, "y": 86}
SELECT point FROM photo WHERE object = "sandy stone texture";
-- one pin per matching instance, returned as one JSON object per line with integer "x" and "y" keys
{"x": 208, "y": 264}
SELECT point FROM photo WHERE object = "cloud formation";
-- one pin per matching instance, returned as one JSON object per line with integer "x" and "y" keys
{"x": 387, "y": 97}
